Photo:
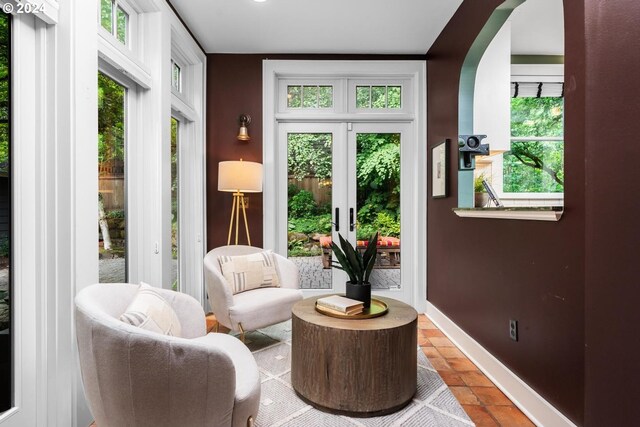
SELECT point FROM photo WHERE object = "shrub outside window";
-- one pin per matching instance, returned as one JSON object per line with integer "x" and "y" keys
{"x": 535, "y": 162}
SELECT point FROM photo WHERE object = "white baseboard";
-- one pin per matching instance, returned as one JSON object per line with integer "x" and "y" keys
{"x": 534, "y": 406}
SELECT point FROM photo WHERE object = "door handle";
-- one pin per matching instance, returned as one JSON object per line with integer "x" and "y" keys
{"x": 352, "y": 224}
{"x": 337, "y": 219}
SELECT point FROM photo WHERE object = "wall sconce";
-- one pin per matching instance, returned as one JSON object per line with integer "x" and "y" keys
{"x": 243, "y": 133}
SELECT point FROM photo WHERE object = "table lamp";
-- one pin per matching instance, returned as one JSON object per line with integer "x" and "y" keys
{"x": 239, "y": 177}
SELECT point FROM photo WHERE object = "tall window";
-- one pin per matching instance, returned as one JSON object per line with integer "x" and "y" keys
{"x": 5, "y": 214}
{"x": 535, "y": 163}
{"x": 112, "y": 212}
{"x": 175, "y": 197}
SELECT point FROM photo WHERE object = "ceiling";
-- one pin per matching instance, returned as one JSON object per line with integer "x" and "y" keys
{"x": 321, "y": 26}
{"x": 537, "y": 28}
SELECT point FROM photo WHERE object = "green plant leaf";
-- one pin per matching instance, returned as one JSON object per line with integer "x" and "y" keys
{"x": 370, "y": 256}
{"x": 350, "y": 253}
{"x": 342, "y": 260}
{"x": 371, "y": 250}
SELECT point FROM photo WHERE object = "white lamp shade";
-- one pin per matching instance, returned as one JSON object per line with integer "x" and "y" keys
{"x": 245, "y": 177}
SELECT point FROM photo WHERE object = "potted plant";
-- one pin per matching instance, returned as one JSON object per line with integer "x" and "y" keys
{"x": 358, "y": 266}
{"x": 481, "y": 196}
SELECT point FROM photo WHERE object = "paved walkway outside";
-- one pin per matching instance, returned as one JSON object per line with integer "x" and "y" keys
{"x": 112, "y": 270}
{"x": 313, "y": 276}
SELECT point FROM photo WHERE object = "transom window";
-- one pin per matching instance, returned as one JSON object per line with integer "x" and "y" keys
{"x": 176, "y": 76}
{"x": 309, "y": 96}
{"x": 114, "y": 19}
{"x": 363, "y": 95}
{"x": 379, "y": 97}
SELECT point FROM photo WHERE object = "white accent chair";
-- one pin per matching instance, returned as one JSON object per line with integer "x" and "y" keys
{"x": 254, "y": 309}
{"x": 133, "y": 377}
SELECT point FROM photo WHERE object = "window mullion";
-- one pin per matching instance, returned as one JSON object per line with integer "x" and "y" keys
{"x": 114, "y": 17}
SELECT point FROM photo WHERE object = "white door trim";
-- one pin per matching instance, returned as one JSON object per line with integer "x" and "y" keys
{"x": 415, "y": 71}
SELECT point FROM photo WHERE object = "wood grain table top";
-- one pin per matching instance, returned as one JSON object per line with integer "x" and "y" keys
{"x": 399, "y": 314}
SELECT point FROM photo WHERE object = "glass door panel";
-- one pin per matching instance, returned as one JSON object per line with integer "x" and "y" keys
{"x": 348, "y": 182}
{"x": 377, "y": 172}
{"x": 112, "y": 218}
{"x": 309, "y": 206}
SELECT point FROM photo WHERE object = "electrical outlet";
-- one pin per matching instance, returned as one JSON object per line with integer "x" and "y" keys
{"x": 245, "y": 201}
{"x": 513, "y": 330}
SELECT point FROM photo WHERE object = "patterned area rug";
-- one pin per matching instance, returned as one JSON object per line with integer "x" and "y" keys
{"x": 433, "y": 404}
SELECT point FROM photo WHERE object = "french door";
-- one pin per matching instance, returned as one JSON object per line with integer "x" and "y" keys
{"x": 352, "y": 179}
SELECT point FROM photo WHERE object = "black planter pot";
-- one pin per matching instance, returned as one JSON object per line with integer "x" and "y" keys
{"x": 360, "y": 292}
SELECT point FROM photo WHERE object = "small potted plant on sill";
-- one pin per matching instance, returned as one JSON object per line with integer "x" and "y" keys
{"x": 358, "y": 266}
{"x": 481, "y": 196}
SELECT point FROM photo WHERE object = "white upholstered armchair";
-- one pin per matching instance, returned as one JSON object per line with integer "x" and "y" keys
{"x": 254, "y": 309}
{"x": 133, "y": 377}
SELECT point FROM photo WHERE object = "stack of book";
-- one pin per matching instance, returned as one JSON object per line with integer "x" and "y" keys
{"x": 340, "y": 305}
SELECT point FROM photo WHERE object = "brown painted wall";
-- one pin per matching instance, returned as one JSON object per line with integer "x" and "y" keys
{"x": 612, "y": 111}
{"x": 482, "y": 272}
{"x": 234, "y": 86}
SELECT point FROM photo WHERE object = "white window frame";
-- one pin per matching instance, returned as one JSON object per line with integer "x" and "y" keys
{"x": 275, "y": 71}
{"x": 55, "y": 65}
{"x": 176, "y": 90}
{"x": 26, "y": 273}
{"x": 132, "y": 41}
{"x": 134, "y": 154}
{"x": 338, "y": 95}
{"x": 406, "y": 95}
{"x": 188, "y": 106}
{"x": 551, "y": 73}
{"x": 52, "y": 76}
{"x": 152, "y": 101}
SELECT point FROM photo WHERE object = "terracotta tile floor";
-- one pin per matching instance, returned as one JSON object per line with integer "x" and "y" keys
{"x": 481, "y": 399}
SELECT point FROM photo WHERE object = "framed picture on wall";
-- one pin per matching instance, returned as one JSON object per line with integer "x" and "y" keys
{"x": 440, "y": 170}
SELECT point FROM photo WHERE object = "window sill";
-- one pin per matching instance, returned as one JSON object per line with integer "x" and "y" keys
{"x": 553, "y": 213}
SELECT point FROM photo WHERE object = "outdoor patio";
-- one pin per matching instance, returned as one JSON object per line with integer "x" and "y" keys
{"x": 314, "y": 276}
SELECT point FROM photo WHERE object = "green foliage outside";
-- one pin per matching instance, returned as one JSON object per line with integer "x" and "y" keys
{"x": 378, "y": 180}
{"x": 5, "y": 42}
{"x": 377, "y": 97}
{"x": 111, "y": 149}
{"x": 478, "y": 186}
{"x": 116, "y": 213}
{"x": 5, "y": 147}
{"x": 175, "y": 124}
{"x": 378, "y": 192}
{"x": 535, "y": 166}
{"x": 5, "y": 136}
{"x": 106, "y": 20}
{"x": 302, "y": 204}
{"x": 111, "y": 128}
{"x": 309, "y": 155}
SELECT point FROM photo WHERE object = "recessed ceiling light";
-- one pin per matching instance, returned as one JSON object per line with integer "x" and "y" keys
{"x": 259, "y": 1}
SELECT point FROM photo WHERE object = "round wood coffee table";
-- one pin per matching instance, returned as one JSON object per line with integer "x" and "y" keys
{"x": 355, "y": 367}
